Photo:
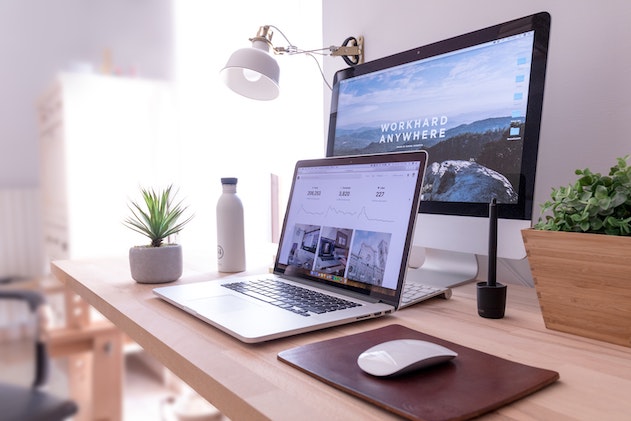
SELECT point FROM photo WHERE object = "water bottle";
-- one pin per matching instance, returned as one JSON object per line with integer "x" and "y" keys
{"x": 230, "y": 232}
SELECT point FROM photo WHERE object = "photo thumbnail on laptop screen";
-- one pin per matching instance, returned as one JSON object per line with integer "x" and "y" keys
{"x": 348, "y": 224}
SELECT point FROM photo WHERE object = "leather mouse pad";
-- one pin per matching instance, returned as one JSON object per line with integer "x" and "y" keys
{"x": 470, "y": 385}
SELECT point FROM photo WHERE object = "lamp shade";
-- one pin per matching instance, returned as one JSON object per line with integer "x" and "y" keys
{"x": 252, "y": 72}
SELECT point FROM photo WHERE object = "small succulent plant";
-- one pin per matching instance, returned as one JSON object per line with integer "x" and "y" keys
{"x": 158, "y": 216}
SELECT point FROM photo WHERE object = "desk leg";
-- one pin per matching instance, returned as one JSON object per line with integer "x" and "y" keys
{"x": 80, "y": 384}
{"x": 95, "y": 362}
{"x": 95, "y": 377}
{"x": 107, "y": 369}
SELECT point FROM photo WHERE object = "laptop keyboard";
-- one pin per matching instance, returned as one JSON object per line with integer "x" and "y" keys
{"x": 304, "y": 301}
{"x": 296, "y": 299}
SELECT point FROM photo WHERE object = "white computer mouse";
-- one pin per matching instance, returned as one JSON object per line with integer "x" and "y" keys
{"x": 401, "y": 356}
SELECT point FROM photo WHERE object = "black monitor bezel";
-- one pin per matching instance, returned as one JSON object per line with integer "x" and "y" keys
{"x": 540, "y": 23}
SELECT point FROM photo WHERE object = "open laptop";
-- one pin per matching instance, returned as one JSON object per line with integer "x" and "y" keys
{"x": 347, "y": 234}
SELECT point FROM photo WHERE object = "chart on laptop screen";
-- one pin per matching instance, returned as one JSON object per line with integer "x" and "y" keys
{"x": 344, "y": 222}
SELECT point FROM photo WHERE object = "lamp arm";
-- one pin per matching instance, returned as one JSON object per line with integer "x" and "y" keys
{"x": 351, "y": 50}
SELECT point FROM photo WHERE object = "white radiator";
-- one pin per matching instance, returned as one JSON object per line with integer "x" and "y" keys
{"x": 21, "y": 254}
{"x": 21, "y": 239}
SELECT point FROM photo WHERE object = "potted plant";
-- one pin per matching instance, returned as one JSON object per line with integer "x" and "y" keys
{"x": 580, "y": 256}
{"x": 156, "y": 217}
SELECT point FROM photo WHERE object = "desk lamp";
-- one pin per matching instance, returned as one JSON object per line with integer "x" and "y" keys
{"x": 254, "y": 73}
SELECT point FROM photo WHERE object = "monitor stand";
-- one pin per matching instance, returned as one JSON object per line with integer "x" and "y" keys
{"x": 441, "y": 268}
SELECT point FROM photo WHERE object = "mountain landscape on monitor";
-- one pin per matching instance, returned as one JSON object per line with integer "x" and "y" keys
{"x": 480, "y": 155}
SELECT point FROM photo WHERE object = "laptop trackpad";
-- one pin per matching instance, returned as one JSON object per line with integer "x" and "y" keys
{"x": 220, "y": 304}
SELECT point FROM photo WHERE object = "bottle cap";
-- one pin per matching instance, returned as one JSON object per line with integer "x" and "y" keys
{"x": 229, "y": 180}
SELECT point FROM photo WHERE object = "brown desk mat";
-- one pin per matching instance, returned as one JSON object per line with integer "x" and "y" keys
{"x": 470, "y": 385}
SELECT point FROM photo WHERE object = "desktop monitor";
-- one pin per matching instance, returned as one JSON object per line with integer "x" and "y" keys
{"x": 474, "y": 102}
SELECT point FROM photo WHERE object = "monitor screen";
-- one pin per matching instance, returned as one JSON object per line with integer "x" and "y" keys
{"x": 473, "y": 102}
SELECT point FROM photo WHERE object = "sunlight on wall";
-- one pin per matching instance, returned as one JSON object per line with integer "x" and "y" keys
{"x": 225, "y": 135}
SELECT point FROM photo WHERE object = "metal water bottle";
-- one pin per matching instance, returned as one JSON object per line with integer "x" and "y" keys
{"x": 230, "y": 232}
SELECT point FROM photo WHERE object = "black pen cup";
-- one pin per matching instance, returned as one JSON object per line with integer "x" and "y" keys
{"x": 491, "y": 300}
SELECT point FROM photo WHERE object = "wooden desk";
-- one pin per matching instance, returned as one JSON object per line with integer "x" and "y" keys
{"x": 247, "y": 382}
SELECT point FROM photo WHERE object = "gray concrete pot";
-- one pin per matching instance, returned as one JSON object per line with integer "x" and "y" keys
{"x": 153, "y": 265}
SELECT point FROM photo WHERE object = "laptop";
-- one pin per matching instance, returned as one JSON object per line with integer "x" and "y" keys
{"x": 343, "y": 250}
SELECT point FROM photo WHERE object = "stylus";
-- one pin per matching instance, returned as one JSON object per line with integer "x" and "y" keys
{"x": 492, "y": 243}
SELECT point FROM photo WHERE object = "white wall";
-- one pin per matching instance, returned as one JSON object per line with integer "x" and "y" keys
{"x": 187, "y": 42}
{"x": 225, "y": 135}
{"x": 587, "y": 99}
{"x": 39, "y": 38}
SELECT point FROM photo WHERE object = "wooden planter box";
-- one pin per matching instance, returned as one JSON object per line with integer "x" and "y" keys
{"x": 583, "y": 282}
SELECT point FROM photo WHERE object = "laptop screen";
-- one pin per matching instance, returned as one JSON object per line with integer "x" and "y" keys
{"x": 349, "y": 221}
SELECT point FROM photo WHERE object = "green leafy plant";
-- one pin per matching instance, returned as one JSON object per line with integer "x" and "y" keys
{"x": 159, "y": 216}
{"x": 595, "y": 203}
